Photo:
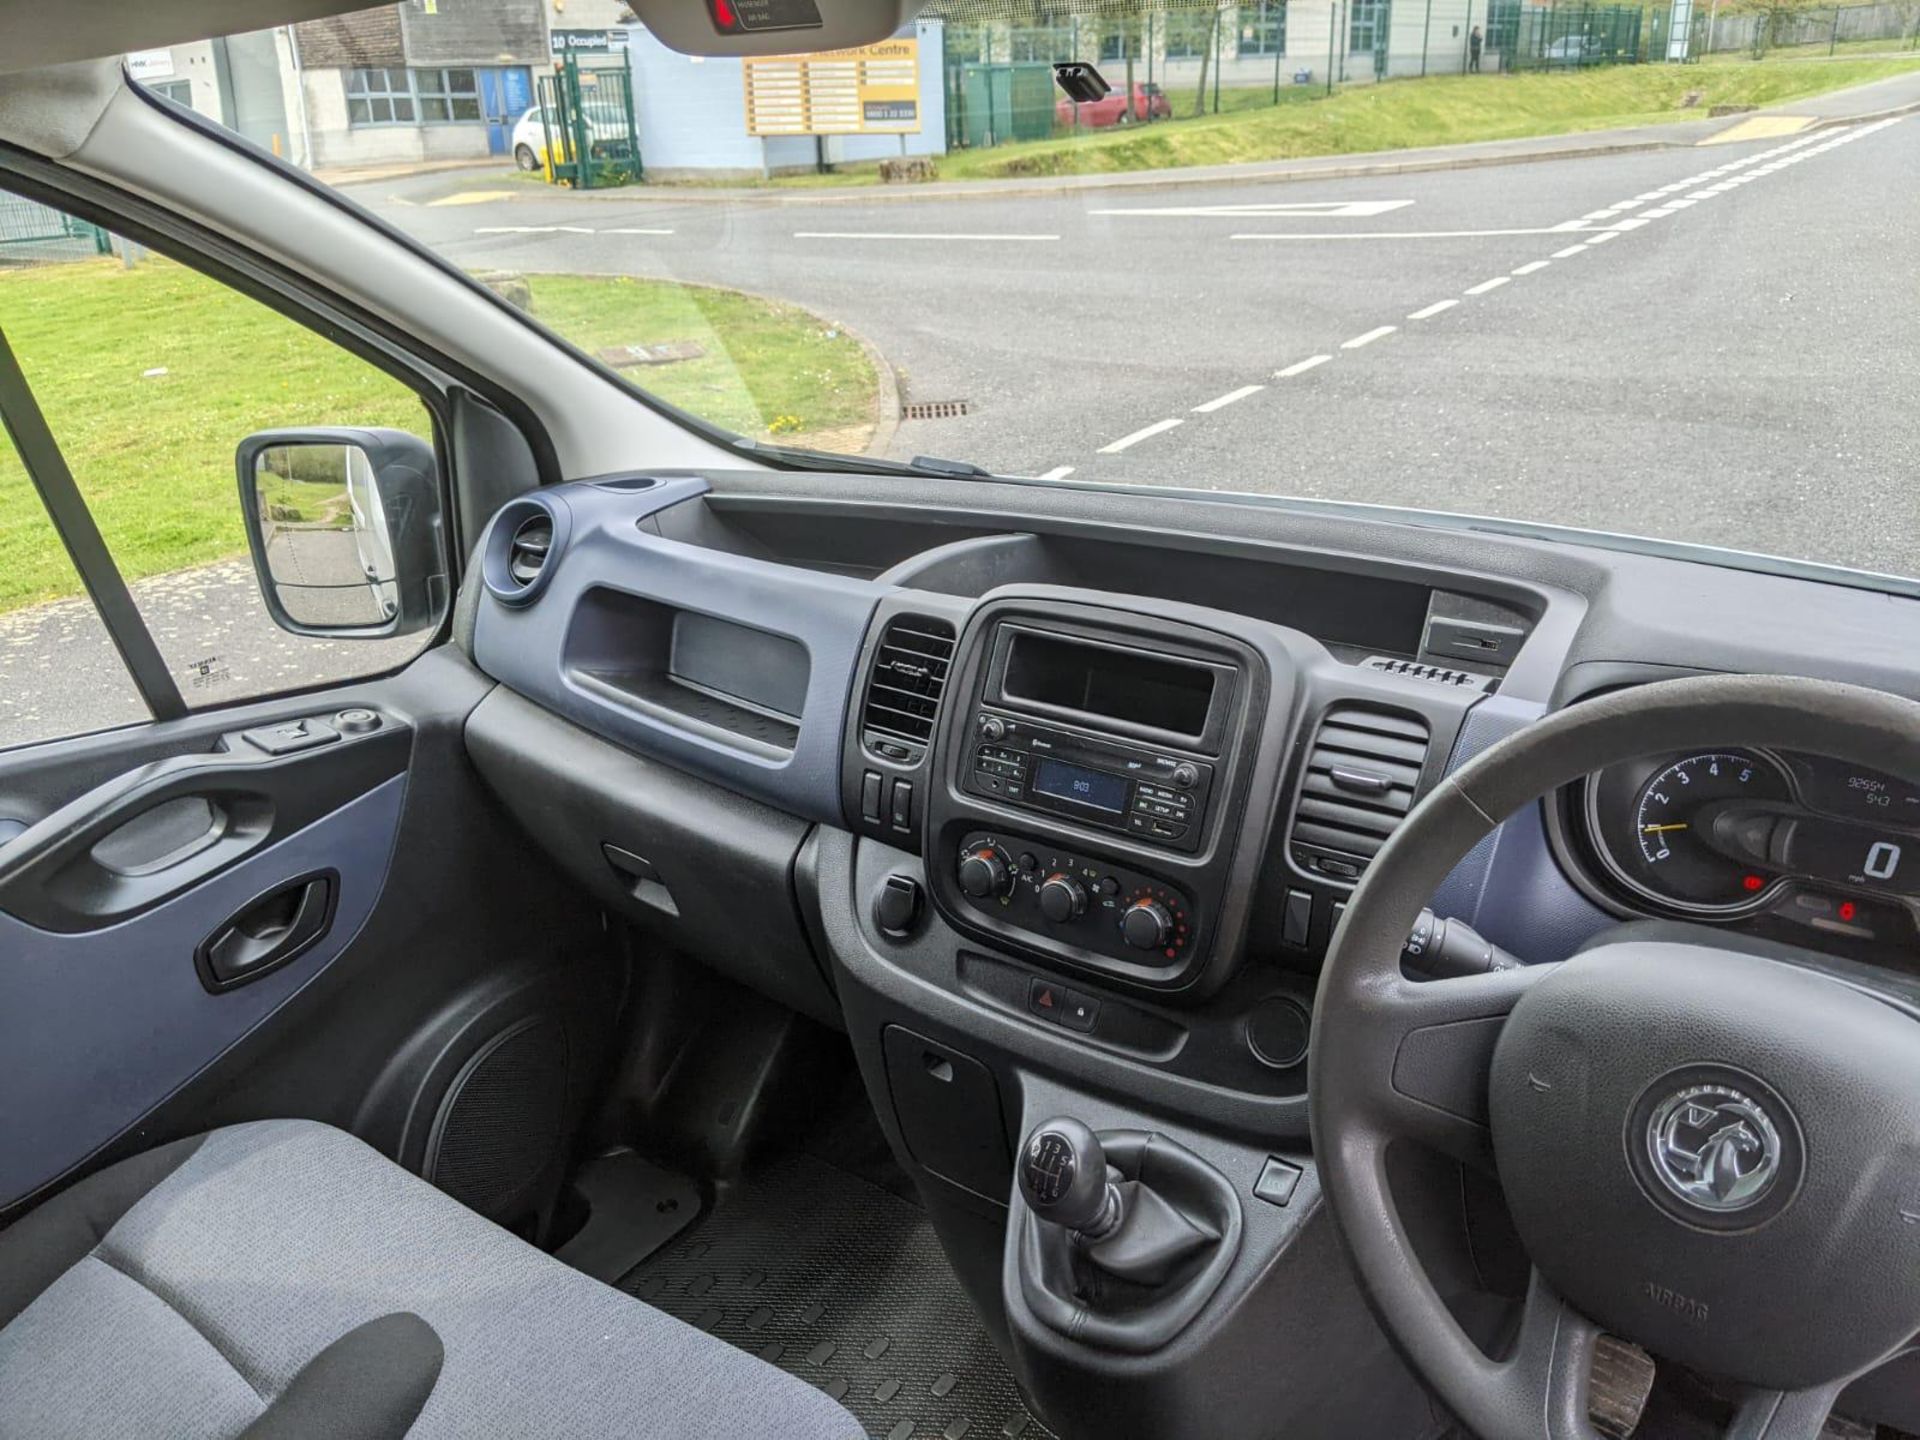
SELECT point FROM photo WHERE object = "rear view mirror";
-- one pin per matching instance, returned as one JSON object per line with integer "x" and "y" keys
{"x": 344, "y": 529}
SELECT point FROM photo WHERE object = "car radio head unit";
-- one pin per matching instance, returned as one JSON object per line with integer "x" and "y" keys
{"x": 1106, "y": 771}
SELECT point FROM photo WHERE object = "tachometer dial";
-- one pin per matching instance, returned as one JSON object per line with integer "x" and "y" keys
{"x": 1669, "y": 856}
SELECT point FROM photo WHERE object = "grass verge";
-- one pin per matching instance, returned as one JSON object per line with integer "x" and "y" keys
{"x": 149, "y": 377}
{"x": 1405, "y": 114}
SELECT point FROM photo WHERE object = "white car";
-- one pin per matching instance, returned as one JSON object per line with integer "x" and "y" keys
{"x": 606, "y": 133}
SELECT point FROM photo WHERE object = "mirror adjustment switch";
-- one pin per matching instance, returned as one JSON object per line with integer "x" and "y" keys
{"x": 902, "y": 806}
{"x": 290, "y": 735}
{"x": 870, "y": 797}
{"x": 1278, "y": 1180}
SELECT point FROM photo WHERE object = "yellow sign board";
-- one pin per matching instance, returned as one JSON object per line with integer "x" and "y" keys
{"x": 874, "y": 90}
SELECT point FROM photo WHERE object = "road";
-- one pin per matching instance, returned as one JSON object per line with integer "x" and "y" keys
{"x": 1712, "y": 343}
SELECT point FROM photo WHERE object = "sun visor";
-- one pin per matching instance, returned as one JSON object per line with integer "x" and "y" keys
{"x": 771, "y": 27}
{"x": 35, "y": 33}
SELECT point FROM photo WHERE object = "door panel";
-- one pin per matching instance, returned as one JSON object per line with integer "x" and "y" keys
{"x": 96, "y": 1027}
{"x": 445, "y": 928}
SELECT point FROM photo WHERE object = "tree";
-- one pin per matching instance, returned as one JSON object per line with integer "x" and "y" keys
{"x": 1206, "y": 59}
{"x": 1775, "y": 20}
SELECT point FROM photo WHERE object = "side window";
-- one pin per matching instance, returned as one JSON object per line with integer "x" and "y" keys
{"x": 268, "y": 499}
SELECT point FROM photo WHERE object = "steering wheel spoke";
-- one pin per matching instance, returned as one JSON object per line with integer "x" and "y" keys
{"x": 1784, "y": 1414}
{"x": 1441, "y": 1035}
{"x": 1550, "y": 1367}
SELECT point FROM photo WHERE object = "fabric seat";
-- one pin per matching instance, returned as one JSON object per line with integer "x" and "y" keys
{"x": 283, "y": 1280}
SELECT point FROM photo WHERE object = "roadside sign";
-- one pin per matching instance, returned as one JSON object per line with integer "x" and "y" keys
{"x": 872, "y": 90}
{"x": 150, "y": 64}
{"x": 587, "y": 42}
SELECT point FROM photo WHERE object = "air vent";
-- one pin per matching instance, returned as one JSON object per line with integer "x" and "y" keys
{"x": 527, "y": 552}
{"x": 903, "y": 693}
{"x": 1362, "y": 775}
{"x": 1434, "y": 674}
{"x": 523, "y": 548}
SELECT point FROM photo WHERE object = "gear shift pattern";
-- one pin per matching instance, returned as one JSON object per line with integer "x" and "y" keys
{"x": 1064, "y": 1180}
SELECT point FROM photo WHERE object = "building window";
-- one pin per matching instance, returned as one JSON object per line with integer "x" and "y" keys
{"x": 447, "y": 95}
{"x": 1263, "y": 28}
{"x": 1367, "y": 26}
{"x": 380, "y": 97}
{"x": 178, "y": 91}
{"x": 1189, "y": 33}
{"x": 412, "y": 97}
{"x": 1120, "y": 40}
{"x": 1040, "y": 43}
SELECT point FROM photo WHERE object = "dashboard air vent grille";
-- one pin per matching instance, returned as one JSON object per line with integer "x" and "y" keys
{"x": 903, "y": 693}
{"x": 1363, "y": 773}
{"x": 527, "y": 553}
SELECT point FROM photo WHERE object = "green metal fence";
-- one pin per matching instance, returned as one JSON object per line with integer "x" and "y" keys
{"x": 587, "y": 115}
{"x": 31, "y": 232}
{"x": 1186, "y": 58}
{"x": 1572, "y": 36}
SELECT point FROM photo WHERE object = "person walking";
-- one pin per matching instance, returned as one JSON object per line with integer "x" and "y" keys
{"x": 1474, "y": 41}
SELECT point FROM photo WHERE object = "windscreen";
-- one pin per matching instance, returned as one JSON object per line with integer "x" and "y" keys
{"x": 1639, "y": 269}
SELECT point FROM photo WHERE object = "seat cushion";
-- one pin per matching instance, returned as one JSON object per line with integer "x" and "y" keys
{"x": 246, "y": 1261}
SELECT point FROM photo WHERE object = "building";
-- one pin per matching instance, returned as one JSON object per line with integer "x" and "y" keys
{"x": 419, "y": 81}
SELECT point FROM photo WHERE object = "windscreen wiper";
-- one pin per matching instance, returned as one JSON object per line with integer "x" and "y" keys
{"x": 867, "y": 464}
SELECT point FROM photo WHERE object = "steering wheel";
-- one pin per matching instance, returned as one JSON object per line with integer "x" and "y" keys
{"x": 1709, "y": 1153}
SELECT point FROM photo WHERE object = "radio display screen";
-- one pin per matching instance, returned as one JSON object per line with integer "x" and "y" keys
{"x": 1075, "y": 782}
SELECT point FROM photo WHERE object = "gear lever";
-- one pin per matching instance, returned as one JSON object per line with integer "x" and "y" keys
{"x": 1063, "y": 1178}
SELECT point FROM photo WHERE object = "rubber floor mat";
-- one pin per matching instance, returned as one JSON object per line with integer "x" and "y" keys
{"x": 844, "y": 1285}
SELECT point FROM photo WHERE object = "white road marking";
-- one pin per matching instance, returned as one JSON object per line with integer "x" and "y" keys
{"x": 1302, "y": 367}
{"x": 1307, "y": 209}
{"x": 1485, "y": 285}
{"x": 1631, "y": 223}
{"x": 1660, "y": 214}
{"x": 1393, "y": 234}
{"x": 1433, "y": 310}
{"x": 533, "y": 230}
{"x": 1596, "y": 215}
{"x": 1220, "y": 402}
{"x": 1159, "y": 427}
{"x": 1570, "y": 251}
{"x": 634, "y": 230}
{"x": 1604, "y": 236}
{"x": 910, "y": 235}
{"x": 1377, "y": 333}
{"x": 1059, "y": 472}
{"x": 1531, "y": 266}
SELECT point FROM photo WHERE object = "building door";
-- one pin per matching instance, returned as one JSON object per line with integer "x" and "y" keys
{"x": 505, "y": 95}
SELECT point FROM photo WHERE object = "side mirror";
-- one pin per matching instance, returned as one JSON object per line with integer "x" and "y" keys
{"x": 345, "y": 531}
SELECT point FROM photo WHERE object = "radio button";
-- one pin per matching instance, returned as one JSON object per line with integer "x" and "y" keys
{"x": 992, "y": 727}
{"x": 1186, "y": 775}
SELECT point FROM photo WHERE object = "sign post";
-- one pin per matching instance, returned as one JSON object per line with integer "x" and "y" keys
{"x": 872, "y": 90}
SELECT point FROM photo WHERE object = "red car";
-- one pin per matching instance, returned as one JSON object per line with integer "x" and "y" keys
{"x": 1149, "y": 101}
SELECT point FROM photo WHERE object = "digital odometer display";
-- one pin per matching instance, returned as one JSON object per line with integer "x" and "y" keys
{"x": 1859, "y": 794}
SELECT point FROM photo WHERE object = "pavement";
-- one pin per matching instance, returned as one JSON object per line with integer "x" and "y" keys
{"x": 1704, "y": 342}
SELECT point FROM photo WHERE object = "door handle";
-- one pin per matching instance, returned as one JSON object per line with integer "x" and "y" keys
{"x": 267, "y": 932}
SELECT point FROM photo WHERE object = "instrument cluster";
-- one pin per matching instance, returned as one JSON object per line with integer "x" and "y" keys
{"x": 1741, "y": 834}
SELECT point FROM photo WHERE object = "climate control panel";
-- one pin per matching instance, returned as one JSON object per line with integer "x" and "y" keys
{"x": 1070, "y": 897}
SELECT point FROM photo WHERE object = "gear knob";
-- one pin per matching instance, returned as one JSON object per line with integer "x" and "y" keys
{"x": 1063, "y": 1178}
